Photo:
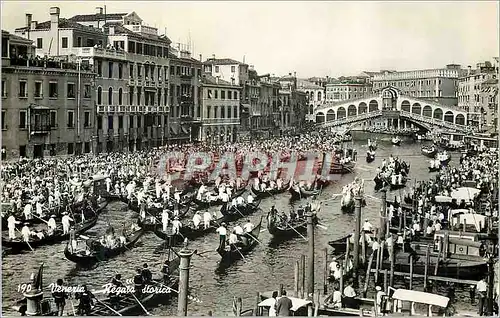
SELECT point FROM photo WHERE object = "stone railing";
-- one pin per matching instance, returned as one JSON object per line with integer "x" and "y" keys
{"x": 350, "y": 120}
{"x": 433, "y": 121}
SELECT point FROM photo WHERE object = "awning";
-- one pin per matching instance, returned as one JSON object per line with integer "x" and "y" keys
{"x": 39, "y": 107}
{"x": 465, "y": 193}
{"x": 421, "y": 297}
{"x": 297, "y": 303}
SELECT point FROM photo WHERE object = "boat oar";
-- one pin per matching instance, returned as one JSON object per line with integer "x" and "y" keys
{"x": 238, "y": 211}
{"x": 140, "y": 304}
{"x": 288, "y": 224}
{"x": 321, "y": 226}
{"x": 116, "y": 312}
{"x": 40, "y": 219}
{"x": 26, "y": 241}
{"x": 257, "y": 240}
{"x": 238, "y": 250}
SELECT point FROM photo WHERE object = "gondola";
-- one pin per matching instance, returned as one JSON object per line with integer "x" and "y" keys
{"x": 268, "y": 193}
{"x": 342, "y": 168}
{"x": 300, "y": 193}
{"x": 434, "y": 169}
{"x": 370, "y": 156}
{"x": 443, "y": 158}
{"x": 233, "y": 213}
{"x": 382, "y": 183}
{"x": 349, "y": 206}
{"x": 282, "y": 229}
{"x": 89, "y": 213}
{"x": 185, "y": 201}
{"x": 429, "y": 151}
{"x": 188, "y": 231}
{"x": 99, "y": 252}
{"x": 201, "y": 205}
{"x": 396, "y": 141}
{"x": 19, "y": 244}
{"x": 152, "y": 219}
{"x": 237, "y": 251}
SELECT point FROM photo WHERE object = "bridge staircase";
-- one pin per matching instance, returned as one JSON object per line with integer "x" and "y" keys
{"x": 429, "y": 122}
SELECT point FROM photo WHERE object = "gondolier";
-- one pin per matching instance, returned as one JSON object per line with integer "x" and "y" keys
{"x": 60, "y": 297}
{"x": 196, "y": 220}
{"x": 176, "y": 226}
{"x": 51, "y": 224}
{"x": 66, "y": 222}
{"x": 164, "y": 219}
{"x": 25, "y": 232}
{"x": 138, "y": 282}
{"x": 86, "y": 301}
{"x": 222, "y": 235}
{"x": 207, "y": 218}
{"x": 11, "y": 224}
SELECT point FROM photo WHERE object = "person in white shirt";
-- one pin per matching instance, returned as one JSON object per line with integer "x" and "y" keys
{"x": 234, "y": 203}
{"x": 11, "y": 224}
{"x": 250, "y": 199}
{"x": 349, "y": 294}
{"x": 224, "y": 197}
{"x": 28, "y": 211}
{"x": 375, "y": 245}
{"x": 248, "y": 227}
{"x": 367, "y": 226}
{"x": 177, "y": 196}
{"x": 233, "y": 238}
{"x": 25, "y": 232}
{"x": 333, "y": 266}
{"x": 52, "y": 224}
{"x": 207, "y": 217}
{"x": 336, "y": 299}
{"x": 176, "y": 226}
{"x": 164, "y": 219}
{"x": 272, "y": 308}
{"x": 108, "y": 185}
{"x": 240, "y": 201}
{"x": 238, "y": 230}
{"x": 430, "y": 229}
{"x": 222, "y": 235}
{"x": 482, "y": 289}
{"x": 437, "y": 226}
{"x": 66, "y": 222}
{"x": 196, "y": 220}
{"x": 378, "y": 299}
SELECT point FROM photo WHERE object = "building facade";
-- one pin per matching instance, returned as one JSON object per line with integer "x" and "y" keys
{"x": 347, "y": 88}
{"x": 473, "y": 89}
{"x": 292, "y": 103}
{"x": 439, "y": 85}
{"x": 315, "y": 96}
{"x": 220, "y": 110}
{"x": 47, "y": 104}
{"x": 268, "y": 125}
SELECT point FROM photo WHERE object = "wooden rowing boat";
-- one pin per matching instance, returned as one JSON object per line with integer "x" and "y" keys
{"x": 187, "y": 231}
{"x": 268, "y": 193}
{"x": 154, "y": 218}
{"x": 100, "y": 253}
{"x": 201, "y": 205}
{"x": 233, "y": 213}
{"x": 429, "y": 151}
{"x": 283, "y": 229}
{"x": 237, "y": 251}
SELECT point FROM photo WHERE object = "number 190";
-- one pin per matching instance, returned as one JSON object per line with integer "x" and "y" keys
{"x": 23, "y": 288}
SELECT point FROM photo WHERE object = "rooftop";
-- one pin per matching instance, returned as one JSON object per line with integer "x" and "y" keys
{"x": 224, "y": 61}
{"x": 97, "y": 17}
{"x": 63, "y": 24}
{"x": 305, "y": 84}
{"x": 16, "y": 38}
{"x": 209, "y": 79}
{"x": 121, "y": 30}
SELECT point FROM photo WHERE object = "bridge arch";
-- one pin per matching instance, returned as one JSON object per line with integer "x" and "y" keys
{"x": 351, "y": 111}
{"x": 405, "y": 106}
{"x": 438, "y": 114}
{"x": 330, "y": 115}
{"x": 341, "y": 113}
{"x": 320, "y": 118}
{"x": 362, "y": 108}
{"x": 416, "y": 109}
{"x": 449, "y": 117}
{"x": 460, "y": 119}
{"x": 427, "y": 111}
{"x": 373, "y": 106}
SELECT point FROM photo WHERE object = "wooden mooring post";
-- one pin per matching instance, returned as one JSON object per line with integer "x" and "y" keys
{"x": 303, "y": 276}
{"x": 383, "y": 215}
{"x": 357, "y": 230}
{"x": 386, "y": 281}
{"x": 426, "y": 269}
{"x": 296, "y": 277}
{"x": 392, "y": 256}
{"x": 325, "y": 272}
{"x": 256, "y": 310}
{"x": 184, "y": 267}
{"x": 367, "y": 279}
{"x": 310, "y": 259}
{"x": 411, "y": 272}
{"x": 363, "y": 248}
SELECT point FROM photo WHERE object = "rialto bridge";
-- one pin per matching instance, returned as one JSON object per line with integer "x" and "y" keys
{"x": 392, "y": 109}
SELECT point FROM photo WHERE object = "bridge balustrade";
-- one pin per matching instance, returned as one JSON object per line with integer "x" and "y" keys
{"x": 352, "y": 119}
{"x": 434, "y": 121}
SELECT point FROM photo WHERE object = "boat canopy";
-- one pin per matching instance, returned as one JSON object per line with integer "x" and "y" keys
{"x": 478, "y": 220}
{"x": 443, "y": 199}
{"x": 99, "y": 177}
{"x": 297, "y": 303}
{"x": 420, "y": 297}
{"x": 465, "y": 193}
{"x": 460, "y": 211}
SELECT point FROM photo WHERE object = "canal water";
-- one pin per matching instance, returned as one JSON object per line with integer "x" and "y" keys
{"x": 264, "y": 269}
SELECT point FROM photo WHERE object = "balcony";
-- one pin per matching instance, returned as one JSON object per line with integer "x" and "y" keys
{"x": 121, "y": 109}
{"x": 40, "y": 129}
{"x": 187, "y": 99}
{"x": 186, "y": 77}
{"x": 222, "y": 121}
{"x": 190, "y": 119}
{"x": 99, "y": 52}
{"x": 101, "y": 109}
{"x": 131, "y": 82}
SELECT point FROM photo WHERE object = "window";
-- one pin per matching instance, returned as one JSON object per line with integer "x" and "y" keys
{"x": 71, "y": 119}
{"x": 235, "y": 95}
{"x": 99, "y": 68}
{"x": 209, "y": 94}
{"x": 110, "y": 69}
{"x": 223, "y": 112}
{"x": 216, "y": 69}
{"x": 99, "y": 122}
{"x": 229, "y": 95}
{"x": 139, "y": 69}
{"x": 216, "y": 110}
{"x": 131, "y": 71}
{"x": 71, "y": 147}
{"x": 110, "y": 96}
{"x": 120, "y": 96}
{"x": 64, "y": 42}
{"x": 120, "y": 71}
{"x": 139, "y": 121}
{"x": 4, "y": 126}
{"x": 86, "y": 147}
{"x": 178, "y": 70}
{"x": 222, "y": 94}
{"x": 79, "y": 41}
{"x": 86, "y": 119}
{"x": 131, "y": 95}
{"x": 4, "y": 92}
{"x": 38, "y": 90}
{"x": 139, "y": 97}
{"x": 131, "y": 121}
{"x": 233, "y": 69}
{"x": 165, "y": 96}
{"x": 86, "y": 91}
{"x": 110, "y": 122}
{"x": 229, "y": 112}
{"x": 209, "y": 109}
{"x": 53, "y": 118}
{"x": 22, "y": 119}
{"x": 120, "y": 122}
{"x": 53, "y": 89}
{"x": 71, "y": 90}
{"x": 39, "y": 43}
{"x": 23, "y": 85}
{"x": 216, "y": 94}
{"x": 99, "y": 96}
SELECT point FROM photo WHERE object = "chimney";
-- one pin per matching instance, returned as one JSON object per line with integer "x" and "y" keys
{"x": 201, "y": 58}
{"x": 294, "y": 74}
{"x": 468, "y": 70}
{"x": 28, "y": 19}
{"x": 111, "y": 30}
{"x": 217, "y": 80}
{"x": 54, "y": 18}
{"x": 98, "y": 10}
{"x": 33, "y": 25}
{"x": 289, "y": 74}
{"x": 213, "y": 56}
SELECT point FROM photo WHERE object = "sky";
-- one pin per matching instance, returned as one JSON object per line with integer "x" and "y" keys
{"x": 310, "y": 38}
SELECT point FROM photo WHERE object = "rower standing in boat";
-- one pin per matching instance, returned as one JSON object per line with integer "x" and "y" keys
{"x": 367, "y": 226}
{"x": 176, "y": 226}
{"x": 248, "y": 227}
{"x": 66, "y": 222}
{"x": 207, "y": 218}
{"x": 25, "y": 232}
{"x": 113, "y": 296}
{"x": 60, "y": 297}
{"x": 147, "y": 276}
{"x": 11, "y": 224}
{"x": 164, "y": 219}
{"x": 86, "y": 302}
{"x": 238, "y": 230}
{"x": 166, "y": 271}
{"x": 51, "y": 225}
{"x": 250, "y": 199}
{"x": 196, "y": 220}
{"x": 138, "y": 282}
{"x": 28, "y": 211}
{"x": 222, "y": 236}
